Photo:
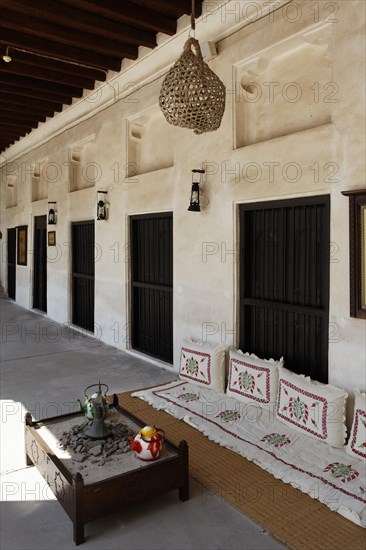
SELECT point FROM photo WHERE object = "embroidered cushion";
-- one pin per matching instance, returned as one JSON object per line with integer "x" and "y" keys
{"x": 356, "y": 445}
{"x": 311, "y": 407}
{"x": 251, "y": 379}
{"x": 203, "y": 365}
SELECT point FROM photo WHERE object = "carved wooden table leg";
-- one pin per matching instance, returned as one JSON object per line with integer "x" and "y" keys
{"x": 184, "y": 488}
{"x": 28, "y": 422}
{"x": 78, "y": 521}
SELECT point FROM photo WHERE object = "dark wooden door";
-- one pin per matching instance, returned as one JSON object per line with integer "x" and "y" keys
{"x": 152, "y": 285}
{"x": 284, "y": 282}
{"x": 11, "y": 262}
{"x": 40, "y": 263}
{"x": 83, "y": 274}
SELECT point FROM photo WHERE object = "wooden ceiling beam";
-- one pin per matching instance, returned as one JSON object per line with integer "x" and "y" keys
{"x": 6, "y": 104}
{"x": 61, "y": 51}
{"x": 35, "y": 84}
{"x": 128, "y": 13}
{"x": 10, "y": 140}
{"x": 16, "y": 136}
{"x": 62, "y": 35}
{"x": 14, "y": 125}
{"x": 77, "y": 42}
{"x": 19, "y": 92}
{"x": 63, "y": 67}
{"x": 65, "y": 18}
{"x": 10, "y": 134}
{"x": 6, "y": 133}
{"x": 8, "y": 115}
{"x": 18, "y": 126}
{"x": 45, "y": 74}
{"x": 171, "y": 9}
{"x": 18, "y": 123}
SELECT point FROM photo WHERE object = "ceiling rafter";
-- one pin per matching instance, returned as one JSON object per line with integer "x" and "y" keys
{"x": 22, "y": 69}
{"x": 36, "y": 84}
{"x": 63, "y": 35}
{"x": 14, "y": 127}
{"x": 59, "y": 48}
{"x": 140, "y": 17}
{"x": 60, "y": 51}
{"x": 172, "y": 9}
{"x": 35, "y": 60}
{"x": 11, "y": 134}
{"x": 63, "y": 19}
{"x": 16, "y": 115}
{"x": 38, "y": 108}
{"x": 7, "y": 115}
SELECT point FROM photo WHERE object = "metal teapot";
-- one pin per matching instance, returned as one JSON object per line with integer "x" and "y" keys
{"x": 148, "y": 443}
{"x": 87, "y": 408}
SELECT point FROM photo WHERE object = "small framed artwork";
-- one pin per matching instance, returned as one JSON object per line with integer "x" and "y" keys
{"x": 22, "y": 238}
{"x": 52, "y": 238}
{"x": 363, "y": 256}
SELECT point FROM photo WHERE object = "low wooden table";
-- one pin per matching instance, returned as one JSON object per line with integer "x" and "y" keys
{"x": 84, "y": 501}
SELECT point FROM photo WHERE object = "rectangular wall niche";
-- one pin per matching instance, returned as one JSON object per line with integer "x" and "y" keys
{"x": 39, "y": 180}
{"x": 83, "y": 170}
{"x": 286, "y": 89}
{"x": 11, "y": 192}
{"x": 149, "y": 142}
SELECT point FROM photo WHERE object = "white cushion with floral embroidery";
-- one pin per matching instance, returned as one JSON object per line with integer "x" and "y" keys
{"x": 203, "y": 365}
{"x": 311, "y": 407}
{"x": 251, "y": 379}
{"x": 356, "y": 445}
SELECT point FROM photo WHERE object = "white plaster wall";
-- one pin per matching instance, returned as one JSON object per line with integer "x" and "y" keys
{"x": 330, "y": 157}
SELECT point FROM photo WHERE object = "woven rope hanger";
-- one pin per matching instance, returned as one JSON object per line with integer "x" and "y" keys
{"x": 192, "y": 95}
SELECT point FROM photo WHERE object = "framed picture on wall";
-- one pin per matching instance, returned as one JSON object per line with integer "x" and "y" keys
{"x": 51, "y": 238}
{"x": 363, "y": 256}
{"x": 22, "y": 238}
{"x": 357, "y": 251}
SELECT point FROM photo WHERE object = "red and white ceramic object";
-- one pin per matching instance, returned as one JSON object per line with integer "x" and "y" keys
{"x": 148, "y": 443}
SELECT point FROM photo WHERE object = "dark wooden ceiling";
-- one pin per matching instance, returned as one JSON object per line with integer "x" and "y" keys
{"x": 81, "y": 39}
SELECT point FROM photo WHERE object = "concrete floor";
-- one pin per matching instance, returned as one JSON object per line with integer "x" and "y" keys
{"x": 44, "y": 369}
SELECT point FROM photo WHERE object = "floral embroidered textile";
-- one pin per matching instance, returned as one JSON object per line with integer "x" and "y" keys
{"x": 276, "y": 440}
{"x": 195, "y": 365}
{"x": 189, "y": 396}
{"x": 229, "y": 416}
{"x": 312, "y": 407}
{"x": 203, "y": 365}
{"x": 251, "y": 379}
{"x": 342, "y": 471}
{"x": 288, "y": 454}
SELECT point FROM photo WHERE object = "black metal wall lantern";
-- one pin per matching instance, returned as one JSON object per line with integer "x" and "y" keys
{"x": 52, "y": 218}
{"x": 194, "y": 205}
{"x": 102, "y": 210}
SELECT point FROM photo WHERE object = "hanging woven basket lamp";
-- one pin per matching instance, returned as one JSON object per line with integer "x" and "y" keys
{"x": 192, "y": 95}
